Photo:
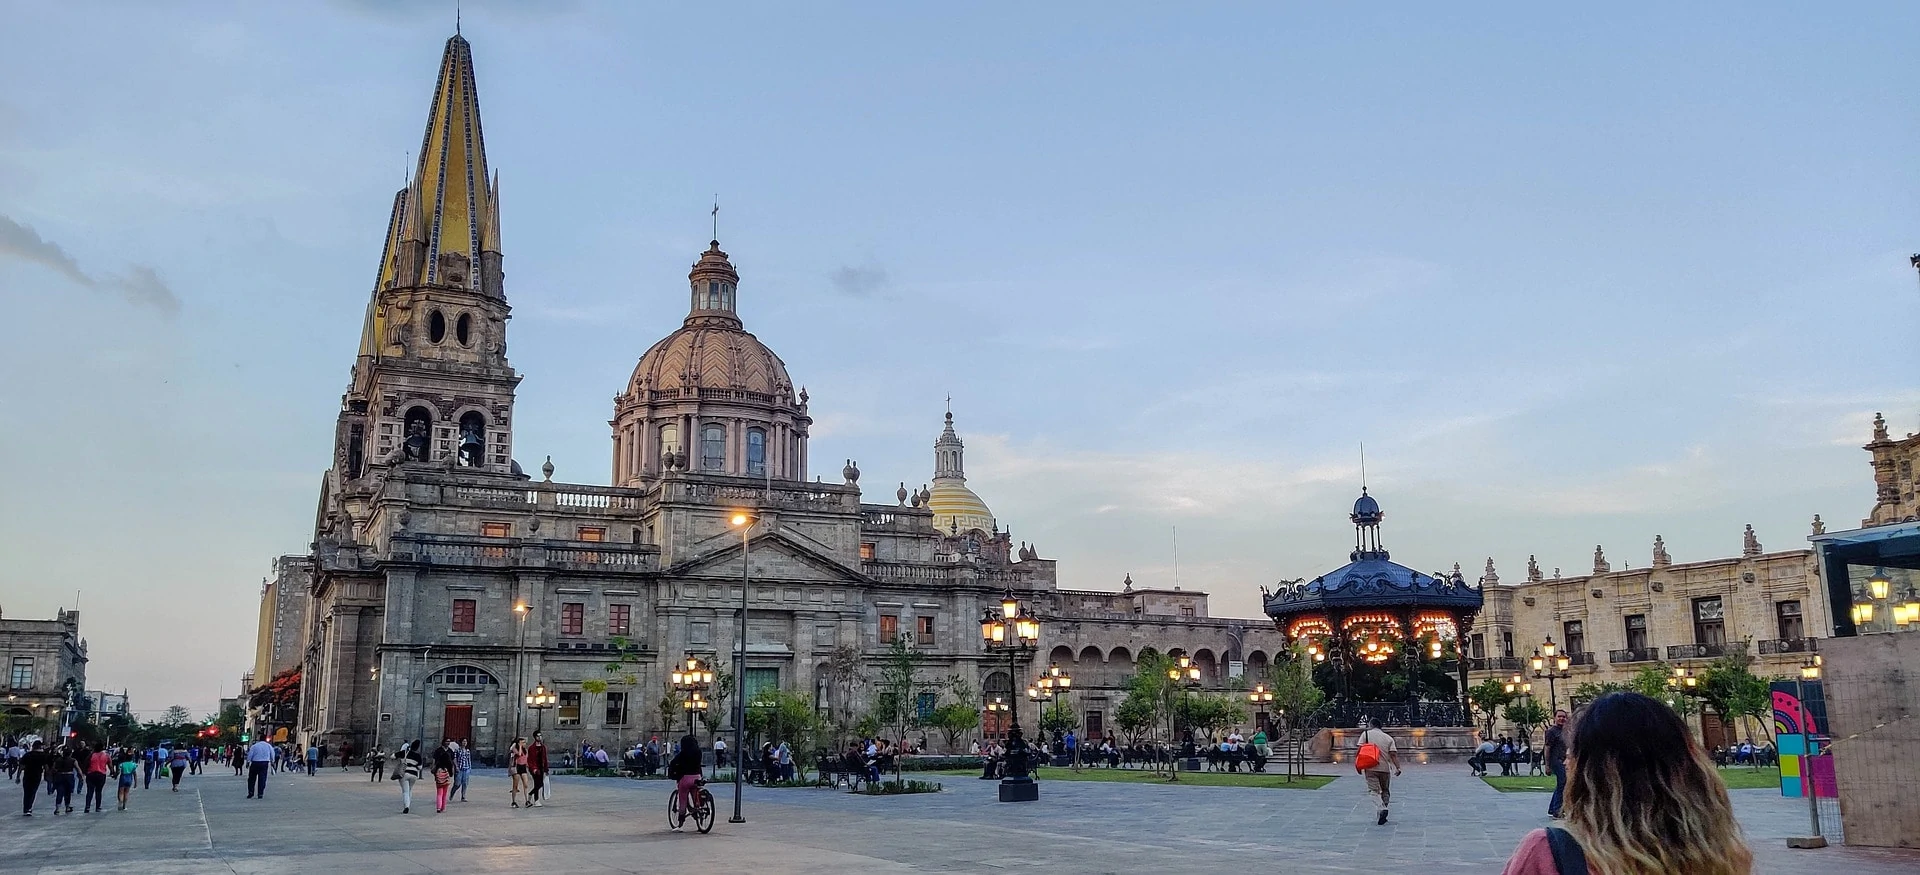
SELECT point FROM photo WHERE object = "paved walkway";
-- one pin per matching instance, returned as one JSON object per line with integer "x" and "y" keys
{"x": 337, "y": 822}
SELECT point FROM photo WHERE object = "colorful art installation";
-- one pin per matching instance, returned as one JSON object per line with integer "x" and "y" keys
{"x": 1799, "y": 733}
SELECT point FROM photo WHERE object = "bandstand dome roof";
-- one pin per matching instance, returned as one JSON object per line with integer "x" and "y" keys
{"x": 1372, "y": 580}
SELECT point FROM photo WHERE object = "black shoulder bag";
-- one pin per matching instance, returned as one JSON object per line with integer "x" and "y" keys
{"x": 1567, "y": 855}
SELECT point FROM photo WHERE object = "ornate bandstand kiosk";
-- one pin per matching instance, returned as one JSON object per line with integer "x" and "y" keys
{"x": 1377, "y": 618}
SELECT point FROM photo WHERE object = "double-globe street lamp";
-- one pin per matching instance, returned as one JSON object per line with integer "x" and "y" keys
{"x": 743, "y": 521}
{"x": 1061, "y": 683}
{"x": 1185, "y": 675}
{"x": 1014, "y": 631}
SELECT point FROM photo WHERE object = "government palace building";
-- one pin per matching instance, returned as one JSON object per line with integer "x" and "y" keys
{"x": 444, "y": 582}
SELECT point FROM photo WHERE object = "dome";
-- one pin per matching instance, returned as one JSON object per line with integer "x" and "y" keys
{"x": 1366, "y": 510}
{"x": 955, "y": 507}
{"x": 710, "y": 356}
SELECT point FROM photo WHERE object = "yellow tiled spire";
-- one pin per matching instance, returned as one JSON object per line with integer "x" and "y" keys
{"x": 373, "y": 334}
{"x": 452, "y": 210}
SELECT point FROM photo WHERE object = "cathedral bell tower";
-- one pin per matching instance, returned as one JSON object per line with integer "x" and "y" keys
{"x": 432, "y": 384}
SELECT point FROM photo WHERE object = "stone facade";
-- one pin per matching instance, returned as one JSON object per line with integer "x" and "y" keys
{"x": 45, "y": 661}
{"x": 1895, "y": 498}
{"x": 446, "y": 582}
{"x": 1614, "y": 623}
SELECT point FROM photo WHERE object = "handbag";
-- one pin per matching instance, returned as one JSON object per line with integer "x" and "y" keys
{"x": 441, "y": 777}
{"x": 1568, "y": 856}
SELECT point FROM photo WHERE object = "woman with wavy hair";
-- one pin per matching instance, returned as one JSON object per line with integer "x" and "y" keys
{"x": 1642, "y": 799}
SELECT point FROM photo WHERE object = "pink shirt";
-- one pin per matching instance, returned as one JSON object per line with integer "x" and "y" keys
{"x": 99, "y": 762}
{"x": 1534, "y": 856}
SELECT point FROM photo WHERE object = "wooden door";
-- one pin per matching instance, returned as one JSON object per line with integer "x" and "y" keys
{"x": 1095, "y": 726}
{"x": 458, "y": 723}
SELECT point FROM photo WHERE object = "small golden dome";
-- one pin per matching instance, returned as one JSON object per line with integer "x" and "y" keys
{"x": 955, "y": 507}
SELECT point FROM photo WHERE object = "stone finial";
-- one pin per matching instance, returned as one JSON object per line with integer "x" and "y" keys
{"x": 1819, "y": 525}
{"x": 851, "y": 472}
{"x": 546, "y": 470}
{"x": 1556, "y": 574}
{"x": 1660, "y": 557}
{"x": 901, "y": 493}
{"x": 1533, "y": 569}
{"x": 1126, "y": 585}
{"x": 1600, "y": 564}
{"x": 803, "y": 396}
{"x": 1750, "y": 545}
{"x": 1879, "y": 428}
{"x": 1491, "y": 577}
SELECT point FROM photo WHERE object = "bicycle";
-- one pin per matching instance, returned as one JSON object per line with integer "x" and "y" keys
{"x": 702, "y": 808}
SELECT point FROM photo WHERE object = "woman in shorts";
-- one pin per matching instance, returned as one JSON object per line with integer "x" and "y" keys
{"x": 517, "y": 769}
{"x": 129, "y": 771}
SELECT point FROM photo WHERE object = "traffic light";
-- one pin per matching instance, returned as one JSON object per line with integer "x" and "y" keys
{"x": 244, "y": 738}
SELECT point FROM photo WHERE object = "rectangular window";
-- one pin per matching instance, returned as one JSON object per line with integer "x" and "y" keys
{"x": 713, "y": 448}
{"x": 1506, "y": 643}
{"x": 616, "y": 709}
{"x": 619, "y": 619}
{"x": 1636, "y": 631}
{"x": 22, "y": 673}
{"x": 569, "y": 710}
{"x": 592, "y": 533}
{"x": 496, "y": 530}
{"x": 1186, "y": 611}
{"x": 1709, "y": 621}
{"x": 1789, "y": 620}
{"x": 759, "y": 680}
{"x": 866, "y": 551}
{"x": 1477, "y": 646}
{"x": 756, "y": 452}
{"x": 1576, "y": 637}
{"x": 889, "y": 628}
{"x": 573, "y": 618}
{"x": 463, "y": 610}
{"x": 924, "y": 637}
{"x": 923, "y": 704}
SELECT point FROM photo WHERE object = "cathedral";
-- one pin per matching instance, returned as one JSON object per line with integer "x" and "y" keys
{"x": 445, "y": 581}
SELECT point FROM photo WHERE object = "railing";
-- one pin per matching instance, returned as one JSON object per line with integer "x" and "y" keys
{"x": 492, "y": 495}
{"x": 1493, "y": 663}
{"x": 602, "y": 558}
{"x": 1346, "y": 714}
{"x": 1634, "y": 654}
{"x": 752, "y": 493}
{"x": 899, "y": 570}
{"x": 1706, "y": 651}
{"x": 1584, "y": 657}
{"x": 468, "y": 554}
{"x": 1789, "y": 645}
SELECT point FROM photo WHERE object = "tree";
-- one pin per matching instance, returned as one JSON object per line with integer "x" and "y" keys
{"x": 895, "y": 705}
{"x": 1525, "y": 714}
{"x": 1588, "y": 692}
{"x": 776, "y": 716}
{"x": 668, "y": 709}
{"x": 176, "y": 715}
{"x": 955, "y": 719}
{"x": 843, "y": 675}
{"x": 1137, "y": 716}
{"x": 1729, "y": 687}
{"x": 1056, "y": 718}
{"x": 1486, "y": 698}
{"x": 717, "y": 714}
{"x": 1291, "y": 680}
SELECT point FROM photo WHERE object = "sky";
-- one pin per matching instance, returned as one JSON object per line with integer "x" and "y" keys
{"x": 1573, "y": 276}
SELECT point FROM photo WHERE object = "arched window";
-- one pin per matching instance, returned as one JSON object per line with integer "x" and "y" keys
{"x": 713, "y": 448}
{"x": 473, "y": 440}
{"x": 417, "y": 436}
{"x": 713, "y": 296}
{"x": 756, "y": 452}
{"x": 461, "y": 676}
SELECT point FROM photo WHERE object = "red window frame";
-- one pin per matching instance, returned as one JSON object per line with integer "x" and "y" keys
{"x": 619, "y": 619}
{"x": 464, "y": 611}
{"x": 573, "y": 618}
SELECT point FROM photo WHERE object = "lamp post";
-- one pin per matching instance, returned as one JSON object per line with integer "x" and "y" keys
{"x": 1684, "y": 683}
{"x": 1040, "y": 692}
{"x": 540, "y": 699}
{"x": 1260, "y": 697}
{"x": 1015, "y": 632}
{"x": 1062, "y": 683}
{"x": 1185, "y": 675}
{"x": 691, "y": 679}
{"x": 1547, "y": 663}
{"x": 744, "y": 522}
{"x": 520, "y": 662}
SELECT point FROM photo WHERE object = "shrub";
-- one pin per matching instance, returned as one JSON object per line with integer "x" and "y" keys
{"x": 896, "y": 788}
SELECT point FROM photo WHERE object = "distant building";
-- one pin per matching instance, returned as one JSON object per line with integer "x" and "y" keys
{"x": 284, "y": 600}
{"x": 107, "y": 704}
{"x": 46, "y": 662}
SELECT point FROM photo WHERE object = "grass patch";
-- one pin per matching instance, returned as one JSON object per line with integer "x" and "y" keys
{"x": 1190, "y": 779}
{"x": 1736, "y": 778}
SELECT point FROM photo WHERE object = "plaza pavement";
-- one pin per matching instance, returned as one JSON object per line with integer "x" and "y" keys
{"x": 337, "y": 822}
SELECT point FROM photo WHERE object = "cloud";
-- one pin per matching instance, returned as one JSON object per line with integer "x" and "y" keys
{"x": 859, "y": 282}
{"x": 140, "y": 284}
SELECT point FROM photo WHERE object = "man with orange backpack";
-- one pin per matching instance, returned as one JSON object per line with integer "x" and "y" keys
{"x": 1379, "y": 760}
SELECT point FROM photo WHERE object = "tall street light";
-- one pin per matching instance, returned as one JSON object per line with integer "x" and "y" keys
{"x": 1058, "y": 680}
{"x": 691, "y": 679}
{"x": 520, "y": 660}
{"x": 1016, "y": 632}
{"x": 1809, "y": 671}
{"x": 1550, "y": 667}
{"x": 743, "y": 521}
{"x": 1186, "y": 676}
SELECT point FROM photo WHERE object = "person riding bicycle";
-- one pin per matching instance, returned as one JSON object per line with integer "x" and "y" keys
{"x": 685, "y": 770}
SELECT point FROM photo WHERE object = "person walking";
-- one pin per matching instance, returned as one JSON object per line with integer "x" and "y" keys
{"x": 128, "y": 768}
{"x": 1642, "y": 799}
{"x": 376, "y": 765}
{"x": 462, "y": 766}
{"x": 98, "y": 764}
{"x": 407, "y": 771}
{"x": 517, "y": 769}
{"x": 260, "y": 758}
{"x": 684, "y": 771}
{"x": 148, "y": 759}
{"x": 33, "y": 768}
{"x": 313, "y": 759}
{"x": 1557, "y": 762}
{"x": 178, "y": 766}
{"x": 1378, "y": 759}
{"x": 66, "y": 772}
{"x": 537, "y": 766}
{"x": 443, "y": 766}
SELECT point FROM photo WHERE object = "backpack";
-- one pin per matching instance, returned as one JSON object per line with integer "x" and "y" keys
{"x": 1367, "y": 757}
